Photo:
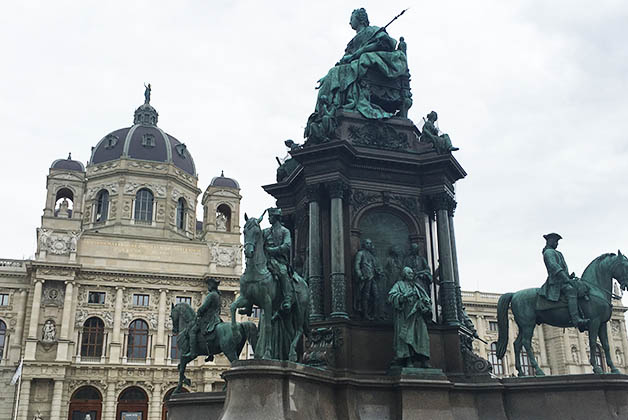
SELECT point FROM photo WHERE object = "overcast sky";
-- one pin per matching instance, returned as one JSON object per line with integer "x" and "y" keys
{"x": 534, "y": 93}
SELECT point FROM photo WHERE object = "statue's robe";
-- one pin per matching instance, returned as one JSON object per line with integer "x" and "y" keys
{"x": 411, "y": 335}
{"x": 441, "y": 142}
{"x": 555, "y": 263}
{"x": 341, "y": 84}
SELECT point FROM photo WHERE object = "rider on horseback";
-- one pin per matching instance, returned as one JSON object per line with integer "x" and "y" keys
{"x": 277, "y": 244}
{"x": 207, "y": 316}
{"x": 559, "y": 281}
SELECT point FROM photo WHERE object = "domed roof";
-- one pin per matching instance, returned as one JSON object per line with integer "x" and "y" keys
{"x": 68, "y": 164}
{"x": 223, "y": 181}
{"x": 143, "y": 141}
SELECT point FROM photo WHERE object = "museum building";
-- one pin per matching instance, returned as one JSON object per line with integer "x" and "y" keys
{"x": 118, "y": 244}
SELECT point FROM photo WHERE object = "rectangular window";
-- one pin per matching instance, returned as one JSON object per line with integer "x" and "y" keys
{"x": 140, "y": 300}
{"x": 184, "y": 299}
{"x": 4, "y": 299}
{"x": 174, "y": 350}
{"x": 96, "y": 297}
{"x": 492, "y": 326}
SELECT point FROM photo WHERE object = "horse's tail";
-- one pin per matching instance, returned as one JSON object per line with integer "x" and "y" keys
{"x": 502, "y": 324}
{"x": 250, "y": 332}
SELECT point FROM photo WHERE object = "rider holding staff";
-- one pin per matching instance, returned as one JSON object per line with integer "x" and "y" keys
{"x": 559, "y": 281}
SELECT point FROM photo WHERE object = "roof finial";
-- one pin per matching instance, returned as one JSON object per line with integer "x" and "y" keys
{"x": 70, "y": 156}
{"x": 222, "y": 173}
{"x": 147, "y": 94}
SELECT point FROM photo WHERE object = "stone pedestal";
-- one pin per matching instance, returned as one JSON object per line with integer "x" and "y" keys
{"x": 196, "y": 406}
{"x": 290, "y": 391}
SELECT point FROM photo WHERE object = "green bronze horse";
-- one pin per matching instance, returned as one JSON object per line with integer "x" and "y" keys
{"x": 598, "y": 279}
{"x": 279, "y": 331}
{"x": 224, "y": 339}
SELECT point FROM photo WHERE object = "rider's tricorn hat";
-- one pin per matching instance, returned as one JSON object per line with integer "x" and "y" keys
{"x": 274, "y": 212}
{"x": 212, "y": 280}
{"x": 550, "y": 236}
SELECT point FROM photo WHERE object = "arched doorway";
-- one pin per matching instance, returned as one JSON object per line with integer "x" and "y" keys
{"x": 85, "y": 404}
{"x": 164, "y": 409}
{"x": 132, "y": 404}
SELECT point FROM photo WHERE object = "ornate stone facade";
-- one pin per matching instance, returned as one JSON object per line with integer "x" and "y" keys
{"x": 91, "y": 312}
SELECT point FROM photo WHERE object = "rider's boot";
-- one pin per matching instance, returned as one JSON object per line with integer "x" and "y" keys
{"x": 287, "y": 293}
{"x": 194, "y": 350}
{"x": 581, "y": 323}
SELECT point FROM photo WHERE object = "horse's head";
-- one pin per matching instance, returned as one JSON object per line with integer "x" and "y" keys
{"x": 620, "y": 273}
{"x": 252, "y": 233}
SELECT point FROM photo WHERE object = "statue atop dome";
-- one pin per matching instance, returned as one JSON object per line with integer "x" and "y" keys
{"x": 147, "y": 94}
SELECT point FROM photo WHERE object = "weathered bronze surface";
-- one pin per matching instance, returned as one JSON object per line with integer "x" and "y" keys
{"x": 561, "y": 300}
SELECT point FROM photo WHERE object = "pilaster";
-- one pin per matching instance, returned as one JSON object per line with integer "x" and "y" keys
{"x": 25, "y": 395}
{"x": 160, "y": 346}
{"x": 315, "y": 268}
{"x": 31, "y": 342}
{"x": 57, "y": 395}
{"x": 63, "y": 342}
{"x": 116, "y": 345}
{"x": 337, "y": 191}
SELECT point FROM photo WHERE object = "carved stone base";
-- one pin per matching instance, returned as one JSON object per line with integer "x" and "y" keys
{"x": 284, "y": 390}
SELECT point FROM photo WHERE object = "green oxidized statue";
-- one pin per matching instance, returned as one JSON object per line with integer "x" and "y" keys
{"x": 204, "y": 333}
{"x": 412, "y": 308}
{"x": 419, "y": 266}
{"x": 534, "y": 306}
{"x": 368, "y": 275}
{"x": 371, "y": 78}
{"x": 441, "y": 142}
{"x": 559, "y": 282}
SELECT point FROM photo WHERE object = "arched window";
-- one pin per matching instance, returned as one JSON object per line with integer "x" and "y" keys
{"x": 223, "y": 218}
{"x": 498, "y": 364}
{"x": 64, "y": 203}
{"x": 144, "y": 206}
{"x": 93, "y": 337}
{"x": 3, "y": 337}
{"x": 526, "y": 366}
{"x": 102, "y": 206}
{"x": 132, "y": 400}
{"x": 86, "y": 400}
{"x": 137, "y": 347}
{"x": 181, "y": 207}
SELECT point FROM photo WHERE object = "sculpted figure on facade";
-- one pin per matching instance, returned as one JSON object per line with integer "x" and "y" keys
{"x": 412, "y": 308}
{"x": 368, "y": 274}
{"x": 221, "y": 222}
{"x": 49, "y": 331}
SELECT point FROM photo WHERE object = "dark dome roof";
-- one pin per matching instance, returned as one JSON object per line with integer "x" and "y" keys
{"x": 223, "y": 181}
{"x": 143, "y": 141}
{"x": 68, "y": 164}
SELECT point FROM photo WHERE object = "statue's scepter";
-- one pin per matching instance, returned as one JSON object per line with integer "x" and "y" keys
{"x": 383, "y": 28}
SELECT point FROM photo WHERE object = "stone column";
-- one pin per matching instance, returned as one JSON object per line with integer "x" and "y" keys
{"x": 57, "y": 395}
{"x": 315, "y": 269}
{"x": 25, "y": 395}
{"x": 33, "y": 328}
{"x": 454, "y": 261}
{"x": 115, "y": 347}
{"x": 442, "y": 203}
{"x": 160, "y": 345}
{"x": 109, "y": 409}
{"x": 154, "y": 409}
{"x": 18, "y": 336}
{"x": 338, "y": 280}
{"x": 62, "y": 345}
